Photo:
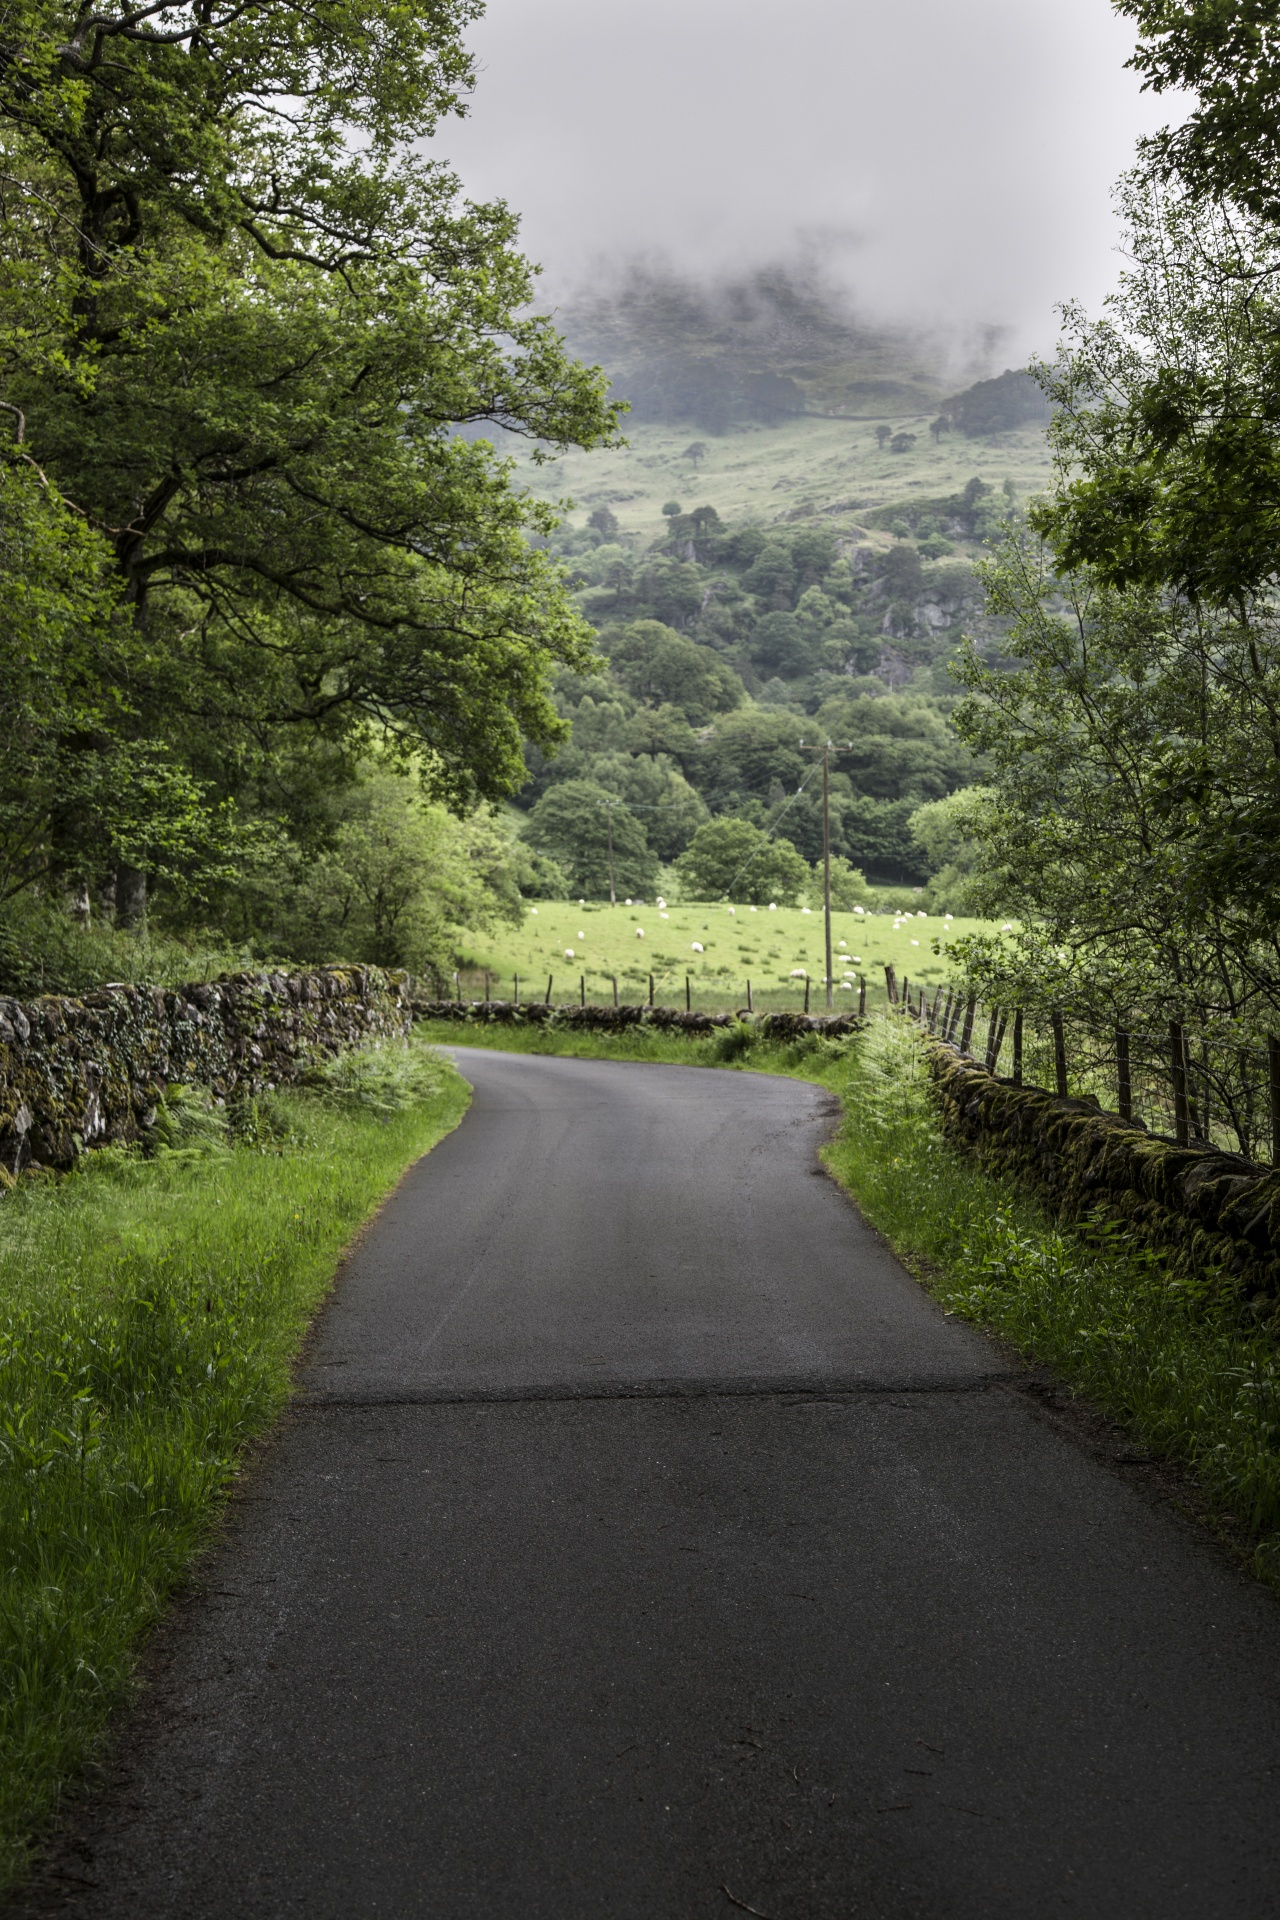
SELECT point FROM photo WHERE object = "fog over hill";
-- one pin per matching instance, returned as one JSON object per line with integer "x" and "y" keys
{"x": 766, "y": 345}
{"x": 947, "y": 166}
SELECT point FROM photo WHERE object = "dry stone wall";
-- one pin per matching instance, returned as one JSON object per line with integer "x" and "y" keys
{"x": 582, "y": 1019}
{"x": 1209, "y": 1211}
{"x": 592, "y": 1019}
{"x": 77, "y": 1073}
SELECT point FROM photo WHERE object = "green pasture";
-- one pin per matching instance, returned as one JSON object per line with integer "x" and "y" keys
{"x": 801, "y": 469}
{"x": 565, "y": 942}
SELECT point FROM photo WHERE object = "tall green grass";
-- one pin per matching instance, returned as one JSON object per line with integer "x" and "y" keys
{"x": 149, "y": 1313}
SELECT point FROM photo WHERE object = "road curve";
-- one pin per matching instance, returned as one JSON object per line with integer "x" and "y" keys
{"x": 644, "y": 1543}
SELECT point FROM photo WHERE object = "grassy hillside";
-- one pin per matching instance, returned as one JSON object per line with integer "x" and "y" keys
{"x": 784, "y": 386}
{"x": 810, "y": 468}
{"x": 758, "y": 944}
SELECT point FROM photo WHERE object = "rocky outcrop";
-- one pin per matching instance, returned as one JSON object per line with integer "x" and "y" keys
{"x": 1208, "y": 1210}
{"x": 77, "y": 1073}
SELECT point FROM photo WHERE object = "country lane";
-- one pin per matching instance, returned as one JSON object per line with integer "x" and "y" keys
{"x": 645, "y": 1543}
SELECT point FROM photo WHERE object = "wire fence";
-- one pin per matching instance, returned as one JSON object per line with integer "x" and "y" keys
{"x": 1193, "y": 1084}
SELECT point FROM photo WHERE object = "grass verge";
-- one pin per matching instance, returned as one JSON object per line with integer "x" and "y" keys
{"x": 1175, "y": 1361}
{"x": 149, "y": 1314}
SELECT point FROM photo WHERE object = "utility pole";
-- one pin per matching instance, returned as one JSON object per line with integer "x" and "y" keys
{"x": 826, "y": 859}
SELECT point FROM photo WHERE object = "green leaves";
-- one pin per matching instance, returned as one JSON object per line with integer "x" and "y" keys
{"x": 1226, "y": 52}
{"x": 253, "y": 336}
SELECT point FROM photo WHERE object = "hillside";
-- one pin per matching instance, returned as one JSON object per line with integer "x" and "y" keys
{"x": 757, "y": 588}
{"x": 769, "y": 401}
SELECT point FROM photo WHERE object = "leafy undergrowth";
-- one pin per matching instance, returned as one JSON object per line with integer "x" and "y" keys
{"x": 1179, "y": 1363}
{"x": 149, "y": 1313}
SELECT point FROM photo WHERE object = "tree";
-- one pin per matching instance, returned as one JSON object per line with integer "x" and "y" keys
{"x": 940, "y": 426}
{"x": 733, "y": 859}
{"x": 849, "y": 886}
{"x": 1134, "y": 817}
{"x": 950, "y": 833}
{"x": 1228, "y": 56}
{"x": 902, "y": 442}
{"x": 241, "y": 322}
{"x": 883, "y": 433}
{"x": 605, "y": 523}
{"x": 695, "y": 451}
{"x": 783, "y": 645}
{"x": 1167, "y": 463}
{"x": 653, "y": 786}
{"x": 85, "y": 806}
{"x": 399, "y": 881}
{"x": 576, "y": 822}
{"x": 672, "y": 508}
{"x": 660, "y": 667}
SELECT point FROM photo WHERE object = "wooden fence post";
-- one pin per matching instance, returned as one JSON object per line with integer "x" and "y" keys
{"x": 862, "y": 996}
{"x": 550, "y": 978}
{"x": 457, "y": 987}
{"x": 688, "y": 995}
{"x": 1059, "y": 1052}
{"x": 1017, "y": 1047}
{"x": 1124, "y": 1076}
{"x": 806, "y": 993}
{"x": 614, "y": 977}
{"x": 1197, "y": 1124}
{"x": 891, "y": 985}
{"x": 1273, "y": 1077}
{"x": 650, "y": 989}
{"x": 933, "y": 1011}
{"x": 966, "y": 1032}
{"x": 486, "y": 986}
{"x": 1178, "y": 1067}
{"x": 750, "y": 1008}
{"x": 582, "y": 989}
{"x": 945, "y": 1027}
{"x": 516, "y": 995}
{"x": 995, "y": 1058}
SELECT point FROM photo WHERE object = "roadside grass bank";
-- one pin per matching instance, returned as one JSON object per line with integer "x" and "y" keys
{"x": 732, "y": 1046}
{"x": 150, "y": 1310}
{"x": 1176, "y": 1361}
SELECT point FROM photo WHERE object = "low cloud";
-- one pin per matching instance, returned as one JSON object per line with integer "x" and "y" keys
{"x": 947, "y": 165}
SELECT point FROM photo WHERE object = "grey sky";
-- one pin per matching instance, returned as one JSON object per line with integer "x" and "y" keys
{"x": 948, "y": 160}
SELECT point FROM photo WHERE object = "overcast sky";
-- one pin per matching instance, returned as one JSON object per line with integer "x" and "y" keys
{"x": 947, "y": 160}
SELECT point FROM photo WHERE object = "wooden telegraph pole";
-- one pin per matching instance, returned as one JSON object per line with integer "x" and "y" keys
{"x": 826, "y": 859}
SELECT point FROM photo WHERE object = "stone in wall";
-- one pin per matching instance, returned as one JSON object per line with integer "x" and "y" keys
{"x": 1208, "y": 1210}
{"x": 77, "y": 1073}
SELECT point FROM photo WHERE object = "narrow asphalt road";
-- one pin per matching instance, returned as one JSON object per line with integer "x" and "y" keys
{"x": 643, "y": 1532}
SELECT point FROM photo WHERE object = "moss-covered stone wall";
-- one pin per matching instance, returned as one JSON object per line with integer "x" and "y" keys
{"x": 76, "y": 1073}
{"x": 1209, "y": 1211}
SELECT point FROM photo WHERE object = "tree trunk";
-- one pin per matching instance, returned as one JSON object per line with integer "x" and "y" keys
{"x": 131, "y": 898}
